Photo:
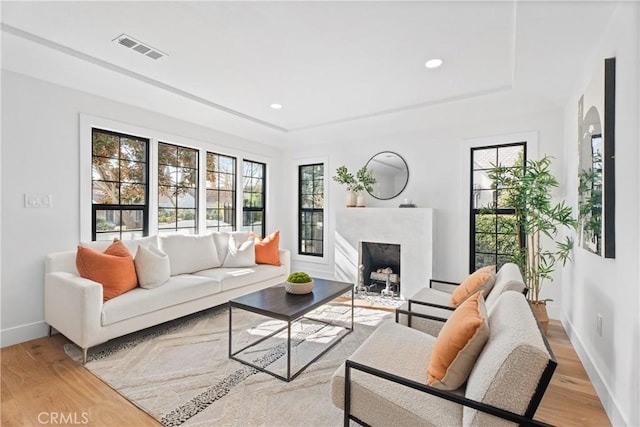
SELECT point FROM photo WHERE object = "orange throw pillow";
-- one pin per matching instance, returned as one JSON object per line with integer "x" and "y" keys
{"x": 458, "y": 345}
{"x": 482, "y": 279}
{"x": 267, "y": 249}
{"x": 491, "y": 268}
{"x": 114, "y": 269}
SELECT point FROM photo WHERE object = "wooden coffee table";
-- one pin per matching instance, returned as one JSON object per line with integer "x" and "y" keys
{"x": 276, "y": 303}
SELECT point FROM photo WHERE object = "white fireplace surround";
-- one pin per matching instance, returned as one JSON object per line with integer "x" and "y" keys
{"x": 411, "y": 228}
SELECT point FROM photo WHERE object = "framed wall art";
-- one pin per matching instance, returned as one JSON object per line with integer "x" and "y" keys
{"x": 596, "y": 157}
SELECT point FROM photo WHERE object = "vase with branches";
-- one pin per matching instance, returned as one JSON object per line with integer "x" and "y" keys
{"x": 356, "y": 185}
{"x": 528, "y": 191}
{"x": 344, "y": 177}
{"x": 365, "y": 181}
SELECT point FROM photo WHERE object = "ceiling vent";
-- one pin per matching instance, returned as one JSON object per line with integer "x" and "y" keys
{"x": 144, "y": 49}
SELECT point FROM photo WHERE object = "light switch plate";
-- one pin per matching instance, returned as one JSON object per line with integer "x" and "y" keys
{"x": 37, "y": 200}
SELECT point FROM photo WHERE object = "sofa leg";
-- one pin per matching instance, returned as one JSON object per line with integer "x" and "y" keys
{"x": 50, "y": 330}
{"x": 84, "y": 356}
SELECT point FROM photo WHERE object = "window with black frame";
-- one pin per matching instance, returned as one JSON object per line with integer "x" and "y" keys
{"x": 253, "y": 196}
{"x": 311, "y": 209}
{"x": 119, "y": 185}
{"x": 221, "y": 192}
{"x": 495, "y": 236}
{"x": 177, "y": 189}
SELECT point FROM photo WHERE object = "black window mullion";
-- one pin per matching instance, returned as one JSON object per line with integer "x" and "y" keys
{"x": 249, "y": 173}
{"x": 495, "y": 212}
{"x": 119, "y": 207}
{"x": 218, "y": 174}
{"x": 178, "y": 187}
{"x": 307, "y": 187}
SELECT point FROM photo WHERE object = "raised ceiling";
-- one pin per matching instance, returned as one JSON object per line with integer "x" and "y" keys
{"x": 327, "y": 63}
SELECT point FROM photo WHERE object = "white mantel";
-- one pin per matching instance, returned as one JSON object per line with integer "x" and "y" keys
{"x": 411, "y": 228}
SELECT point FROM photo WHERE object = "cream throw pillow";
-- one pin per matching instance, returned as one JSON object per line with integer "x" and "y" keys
{"x": 152, "y": 267}
{"x": 240, "y": 254}
{"x": 188, "y": 253}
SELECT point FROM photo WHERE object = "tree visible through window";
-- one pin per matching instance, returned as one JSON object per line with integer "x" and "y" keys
{"x": 221, "y": 192}
{"x": 119, "y": 177}
{"x": 494, "y": 230}
{"x": 253, "y": 196}
{"x": 177, "y": 189}
{"x": 311, "y": 209}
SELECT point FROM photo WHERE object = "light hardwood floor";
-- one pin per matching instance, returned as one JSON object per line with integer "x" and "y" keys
{"x": 41, "y": 384}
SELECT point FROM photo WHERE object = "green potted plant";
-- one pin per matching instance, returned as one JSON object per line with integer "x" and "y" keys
{"x": 528, "y": 191}
{"x": 299, "y": 283}
{"x": 343, "y": 176}
{"x": 365, "y": 181}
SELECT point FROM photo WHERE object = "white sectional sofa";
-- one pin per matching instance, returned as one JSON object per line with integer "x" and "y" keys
{"x": 74, "y": 305}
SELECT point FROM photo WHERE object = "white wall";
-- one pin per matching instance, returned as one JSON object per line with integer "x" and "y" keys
{"x": 40, "y": 154}
{"x": 594, "y": 285}
{"x": 437, "y": 180}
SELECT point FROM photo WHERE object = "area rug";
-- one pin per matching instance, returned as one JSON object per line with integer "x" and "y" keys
{"x": 179, "y": 372}
{"x": 376, "y": 299}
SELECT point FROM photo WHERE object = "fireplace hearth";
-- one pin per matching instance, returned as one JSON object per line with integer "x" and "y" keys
{"x": 379, "y": 268}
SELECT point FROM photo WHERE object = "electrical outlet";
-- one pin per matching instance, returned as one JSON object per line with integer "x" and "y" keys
{"x": 37, "y": 200}
{"x": 599, "y": 324}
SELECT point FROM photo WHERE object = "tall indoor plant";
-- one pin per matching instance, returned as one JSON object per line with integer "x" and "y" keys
{"x": 528, "y": 191}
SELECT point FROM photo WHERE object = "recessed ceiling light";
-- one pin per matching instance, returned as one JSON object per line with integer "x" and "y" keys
{"x": 433, "y": 63}
{"x": 276, "y": 106}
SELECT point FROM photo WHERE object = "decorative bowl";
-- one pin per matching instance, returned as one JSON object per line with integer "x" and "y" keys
{"x": 298, "y": 288}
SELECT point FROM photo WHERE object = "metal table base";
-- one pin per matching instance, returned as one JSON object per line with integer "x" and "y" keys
{"x": 289, "y": 376}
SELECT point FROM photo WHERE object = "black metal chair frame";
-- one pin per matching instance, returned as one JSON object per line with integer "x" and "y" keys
{"x": 523, "y": 420}
{"x": 411, "y": 301}
{"x": 411, "y": 313}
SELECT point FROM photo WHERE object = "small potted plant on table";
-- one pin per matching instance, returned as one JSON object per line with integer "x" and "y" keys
{"x": 299, "y": 283}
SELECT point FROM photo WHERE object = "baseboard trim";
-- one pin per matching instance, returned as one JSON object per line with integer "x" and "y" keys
{"x": 611, "y": 407}
{"x": 22, "y": 333}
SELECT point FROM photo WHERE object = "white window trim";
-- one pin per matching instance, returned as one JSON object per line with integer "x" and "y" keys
{"x": 295, "y": 256}
{"x": 87, "y": 122}
{"x": 531, "y": 139}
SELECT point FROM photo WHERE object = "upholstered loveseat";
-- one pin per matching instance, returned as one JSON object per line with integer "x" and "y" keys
{"x": 431, "y": 306}
{"x": 202, "y": 272}
{"x": 385, "y": 381}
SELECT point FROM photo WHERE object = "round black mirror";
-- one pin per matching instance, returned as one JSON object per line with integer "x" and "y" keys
{"x": 391, "y": 173}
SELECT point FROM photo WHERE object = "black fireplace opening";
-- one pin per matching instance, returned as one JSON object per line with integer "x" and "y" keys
{"x": 379, "y": 268}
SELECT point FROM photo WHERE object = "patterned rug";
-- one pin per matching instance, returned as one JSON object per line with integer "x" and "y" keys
{"x": 179, "y": 372}
{"x": 376, "y": 299}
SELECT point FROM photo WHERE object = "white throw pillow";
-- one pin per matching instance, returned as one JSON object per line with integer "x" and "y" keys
{"x": 188, "y": 254}
{"x": 152, "y": 266}
{"x": 240, "y": 254}
{"x": 221, "y": 240}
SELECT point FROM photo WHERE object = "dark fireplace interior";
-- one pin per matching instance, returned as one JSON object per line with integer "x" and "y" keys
{"x": 380, "y": 268}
